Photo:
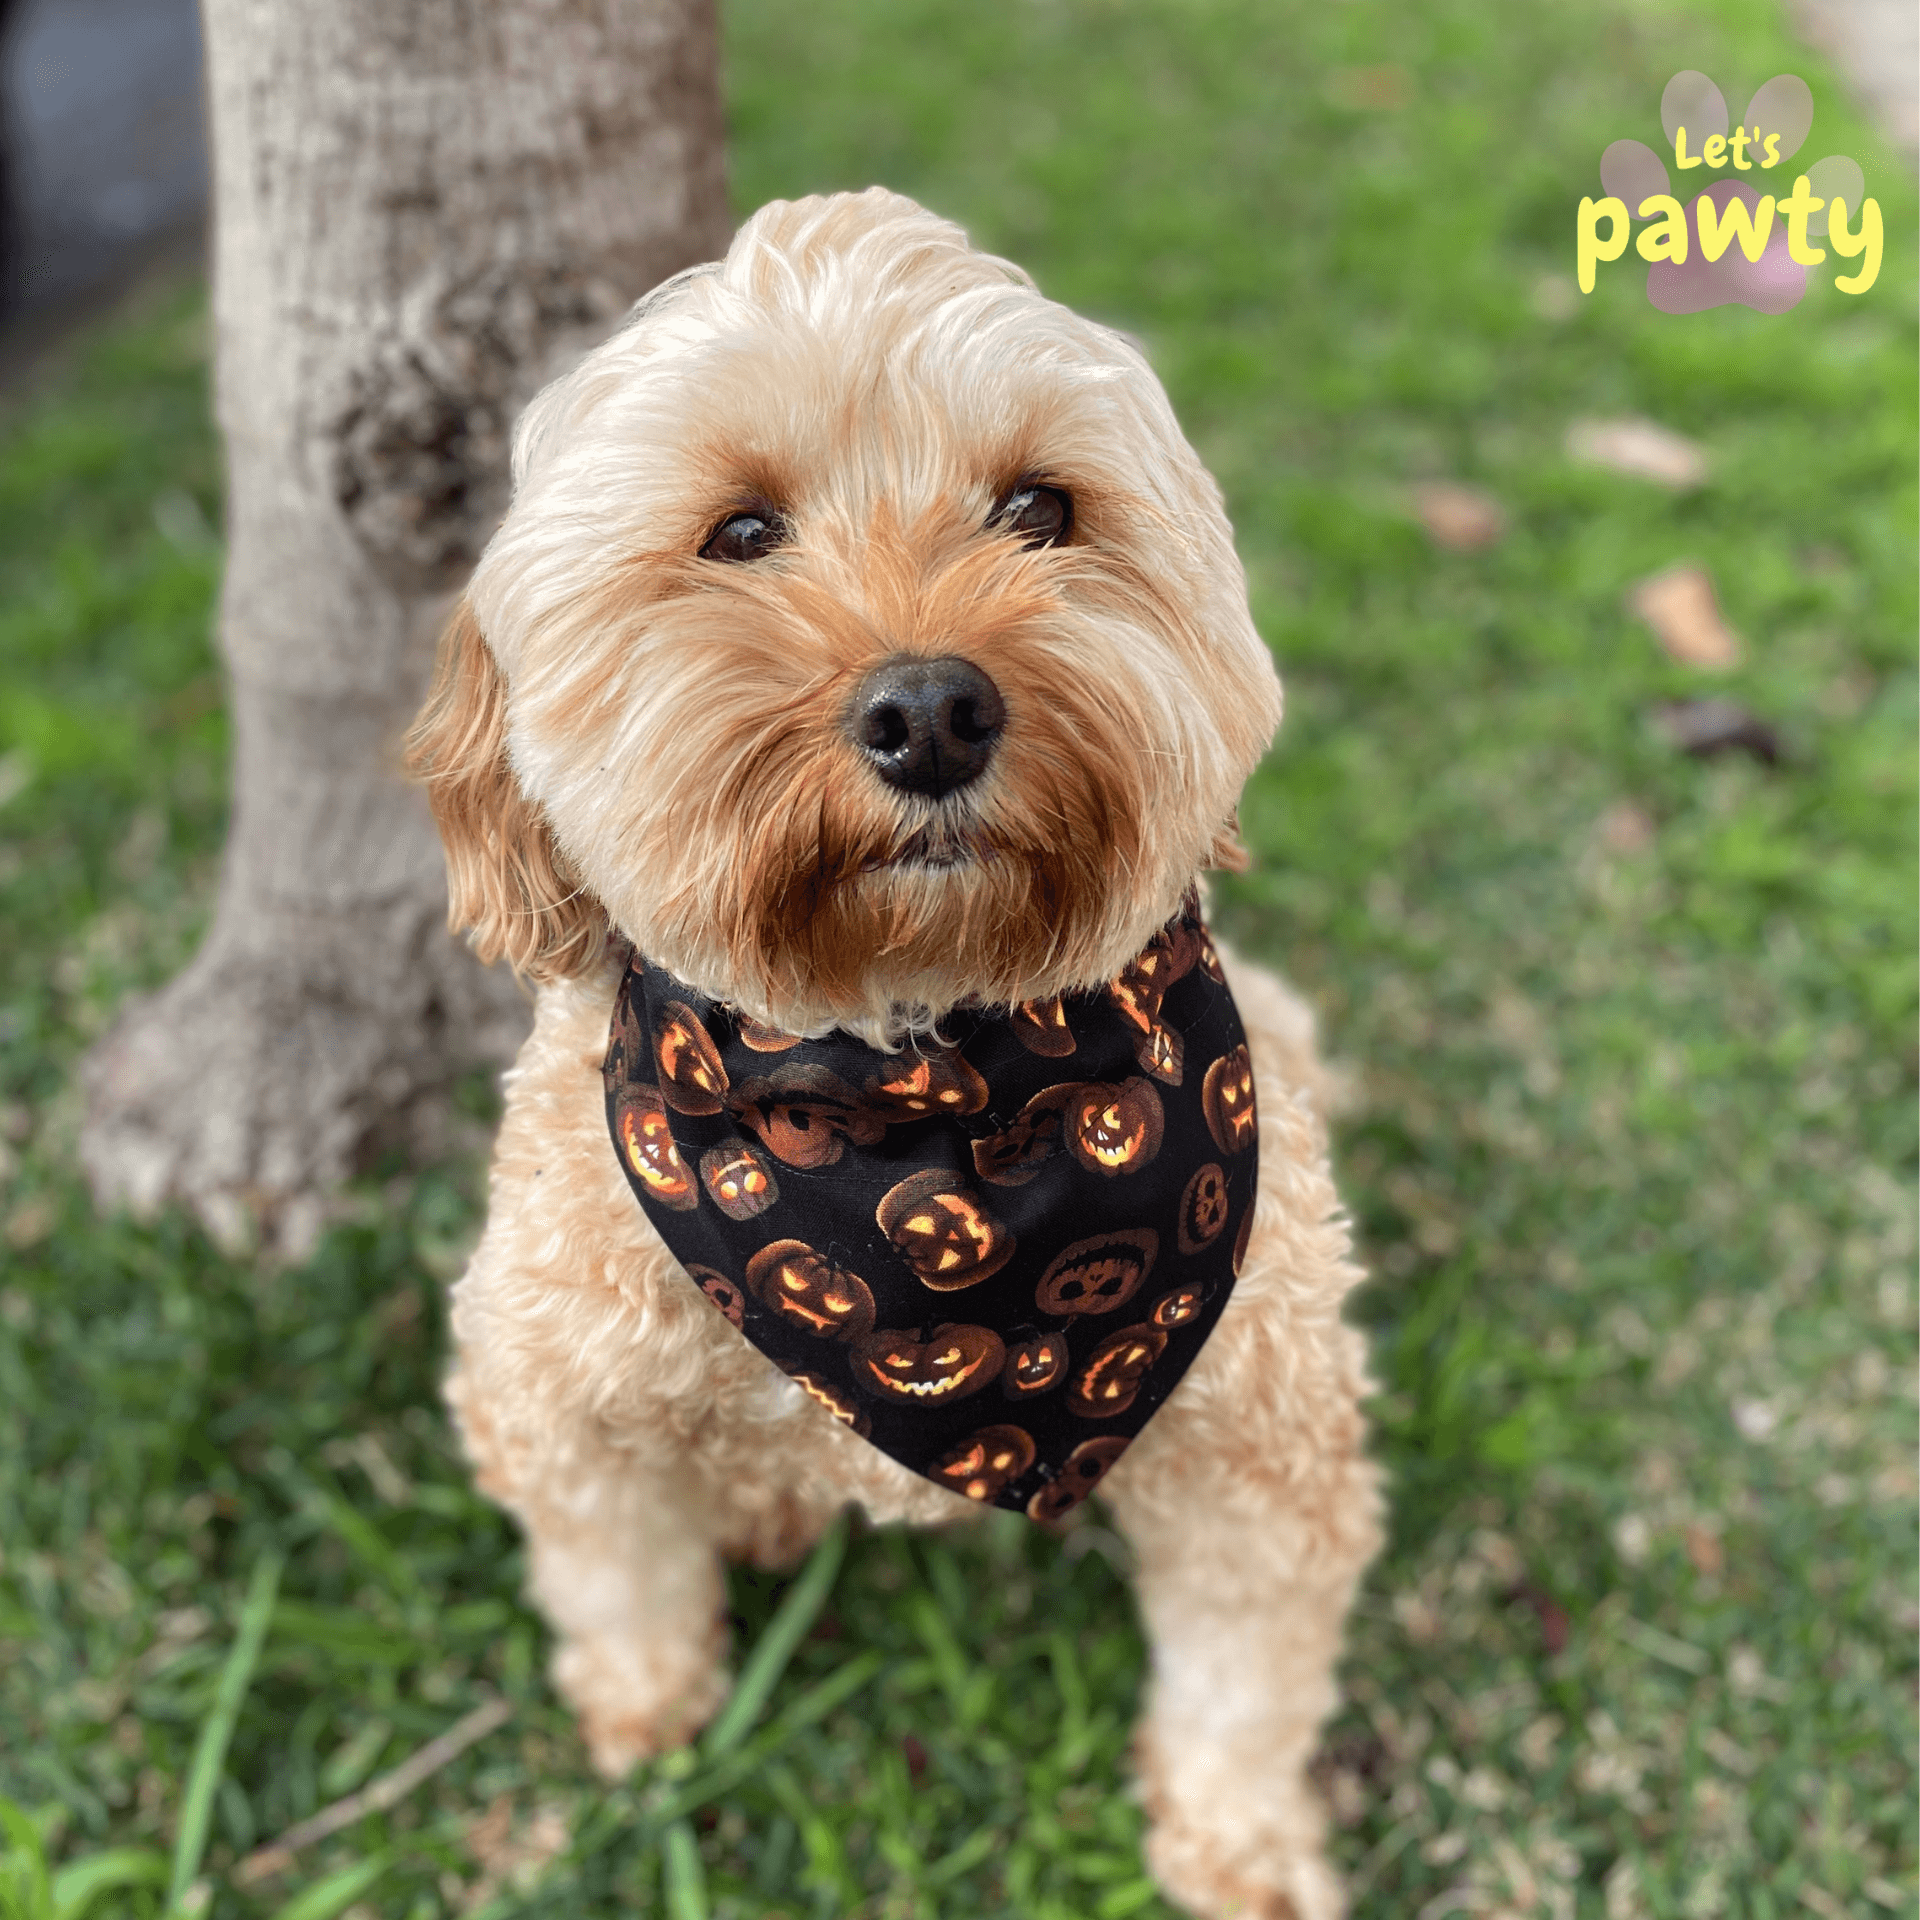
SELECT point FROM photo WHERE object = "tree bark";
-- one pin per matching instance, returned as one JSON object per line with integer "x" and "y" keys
{"x": 424, "y": 209}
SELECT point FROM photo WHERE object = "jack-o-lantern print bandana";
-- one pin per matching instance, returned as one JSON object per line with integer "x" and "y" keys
{"x": 993, "y": 1259}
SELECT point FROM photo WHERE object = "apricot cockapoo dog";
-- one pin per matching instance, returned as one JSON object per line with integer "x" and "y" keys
{"x": 835, "y": 731}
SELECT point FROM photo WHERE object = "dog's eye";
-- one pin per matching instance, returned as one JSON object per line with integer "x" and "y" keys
{"x": 745, "y": 536}
{"x": 1041, "y": 516}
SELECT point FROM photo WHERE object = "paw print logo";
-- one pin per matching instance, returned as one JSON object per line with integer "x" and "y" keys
{"x": 1731, "y": 245}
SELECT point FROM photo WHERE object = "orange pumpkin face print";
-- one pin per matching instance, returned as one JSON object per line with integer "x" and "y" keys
{"x": 1227, "y": 1098}
{"x": 1082, "y": 1470}
{"x": 628, "y": 1057}
{"x": 1204, "y": 1204}
{"x": 738, "y": 1179}
{"x": 1242, "y": 1240}
{"x": 1180, "y": 1308}
{"x": 943, "y": 1231}
{"x": 952, "y": 1364}
{"x": 836, "y": 1400}
{"x": 762, "y": 1038}
{"x": 1140, "y": 988}
{"x": 692, "y": 1080}
{"x": 985, "y": 1462}
{"x": 1034, "y": 1366}
{"x": 1013, "y": 1156}
{"x": 1137, "y": 994}
{"x": 1106, "y": 1385}
{"x": 1098, "y": 1274}
{"x": 1115, "y": 1129}
{"x": 1041, "y": 1027}
{"x": 647, "y": 1141}
{"x": 925, "y": 1085}
{"x": 805, "y": 1289}
{"x": 804, "y": 1115}
{"x": 1163, "y": 1053}
{"x": 726, "y": 1297}
{"x": 1182, "y": 944}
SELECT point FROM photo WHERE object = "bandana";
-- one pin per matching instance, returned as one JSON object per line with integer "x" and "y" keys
{"x": 993, "y": 1258}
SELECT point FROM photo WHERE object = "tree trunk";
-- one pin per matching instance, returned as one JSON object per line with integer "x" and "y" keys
{"x": 424, "y": 209}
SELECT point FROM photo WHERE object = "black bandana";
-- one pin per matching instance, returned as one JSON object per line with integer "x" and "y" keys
{"x": 993, "y": 1259}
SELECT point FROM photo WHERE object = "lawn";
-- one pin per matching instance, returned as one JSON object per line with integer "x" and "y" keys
{"x": 1630, "y": 1036}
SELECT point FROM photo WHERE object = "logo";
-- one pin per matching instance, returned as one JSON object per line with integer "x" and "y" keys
{"x": 1731, "y": 245}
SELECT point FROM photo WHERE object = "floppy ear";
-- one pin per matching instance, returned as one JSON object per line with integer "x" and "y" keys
{"x": 1227, "y": 853}
{"x": 507, "y": 883}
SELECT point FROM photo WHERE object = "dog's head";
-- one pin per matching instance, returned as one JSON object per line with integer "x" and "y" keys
{"x": 864, "y": 637}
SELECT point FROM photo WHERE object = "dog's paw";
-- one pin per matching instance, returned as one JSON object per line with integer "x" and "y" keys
{"x": 1191, "y": 1870}
{"x": 630, "y": 1709}
{"x": 1236, "y": 1842}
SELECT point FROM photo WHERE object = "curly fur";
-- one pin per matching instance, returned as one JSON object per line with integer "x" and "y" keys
{"x": 626, "y": 738}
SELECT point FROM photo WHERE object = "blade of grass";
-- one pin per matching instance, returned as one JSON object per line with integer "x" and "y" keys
{"x": 334, "y": 1893}
{"x": 1119, "y": 1901}
{"x": 815, "y": 1704}
{"x": 78, "y": 1884}
{"x": 210, "y": 1756}
{"x": 1663, "y": 1646}
{"x": 318, "y": 1494}
{"x": 943, "y": 1649}
{"x": 798, "y": 1609}
{"x": 24, "y": 1864}
{"x": 963, "y": 1859}
{"x": 601, "y": 1826}
{"x": 686, "y": 1874}
{"x": 826, "y": 1869}
{"x": 617, "y": 1814}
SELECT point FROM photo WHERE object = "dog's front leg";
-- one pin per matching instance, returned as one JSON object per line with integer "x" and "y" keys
{"x": 619, "y": 1561}
{"x": 1251, "y": 1524}
{"x": 633, "y": 1586}
{"x": 637, "y": 1597}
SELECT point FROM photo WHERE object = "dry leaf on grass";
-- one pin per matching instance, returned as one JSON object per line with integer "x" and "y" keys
{"x": 1462, "y": 519}
{"x": 1704, "y": 728}
{"x": 1642, "y": 448}
{"x": 510, "y": 1851}
{"x": 1704, "y": 1549}
{"x": 1384, "y": 89}
{"x": 1626, "y": 828}
{"x": 1679, "y": 605}
{"x": 489, "y": 1835}
{"x": 31, "y": 1221}
{"x": 1554, "y": 1622}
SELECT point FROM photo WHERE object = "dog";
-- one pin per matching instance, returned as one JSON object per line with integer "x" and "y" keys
{"x": 864, "y": 656}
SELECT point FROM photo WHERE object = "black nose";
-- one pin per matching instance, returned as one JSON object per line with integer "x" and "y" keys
{"x": 928, "y": 726}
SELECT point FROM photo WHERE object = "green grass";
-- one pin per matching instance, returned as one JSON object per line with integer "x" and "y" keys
{"x": 1632, "y": 1037}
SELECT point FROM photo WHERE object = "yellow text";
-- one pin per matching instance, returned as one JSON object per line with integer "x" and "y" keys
{"x": 1668, "y": 239}
{"x": 1798, "y": 207}
{"x": 1868, "y": 241}
{"x": 1714, "y": 153}
{"x": 1590, "y": 247}
{"x": 1719, "y": 228}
